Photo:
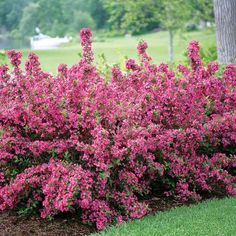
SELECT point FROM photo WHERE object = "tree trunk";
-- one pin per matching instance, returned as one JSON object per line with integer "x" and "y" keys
{"x": 171, "y": 50}
{"x": 225, "y": 19}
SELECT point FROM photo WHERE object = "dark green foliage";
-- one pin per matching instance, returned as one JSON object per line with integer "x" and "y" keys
{"x": 60, "y": 17}
{"x": 209, "y": 54}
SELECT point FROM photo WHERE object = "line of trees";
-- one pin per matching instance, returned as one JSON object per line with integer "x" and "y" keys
{"x": 60, "y": 17}
{"x": 54, "y": 17}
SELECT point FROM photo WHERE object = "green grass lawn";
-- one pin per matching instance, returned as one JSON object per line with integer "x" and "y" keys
{"x": 211, "y": 218}
{"x": 115, "y": 49}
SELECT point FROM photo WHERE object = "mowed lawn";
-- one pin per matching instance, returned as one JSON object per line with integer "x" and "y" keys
{"x": 115, "y": 49}
{"x": 211, "y": 218}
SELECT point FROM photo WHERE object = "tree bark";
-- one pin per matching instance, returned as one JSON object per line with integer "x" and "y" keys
{"x": 225, "y": 19}
{"x": 171, "y": 50}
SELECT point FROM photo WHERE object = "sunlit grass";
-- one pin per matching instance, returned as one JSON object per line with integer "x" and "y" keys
{"x": 115, "y": 49}
{"x": 211, "y": 218}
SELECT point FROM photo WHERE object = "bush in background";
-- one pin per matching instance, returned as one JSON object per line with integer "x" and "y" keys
{"x": 81, "y": 20}
{"x": 2, "y": 56}
{"x": 209, "y": 54}
{"x": 77, "y": 142}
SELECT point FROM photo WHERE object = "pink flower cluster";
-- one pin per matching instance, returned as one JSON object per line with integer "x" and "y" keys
{"x": 56, "y": 185}
{"x": 76, "y": 142}
{"x": 14, "y": 57}
{"x": 86, "y": 35}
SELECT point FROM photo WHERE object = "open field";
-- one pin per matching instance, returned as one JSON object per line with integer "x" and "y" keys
{"x": 115, "y": 49}
{"x": 211, "y": 218}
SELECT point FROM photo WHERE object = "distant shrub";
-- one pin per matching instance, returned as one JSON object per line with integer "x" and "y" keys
{"x": 208, "y": 54}
{"x": 191, "y": 27}
{"x": 76, "y": 142}
{"x": 81, "y": 20}
{"x": 2, "y": 56}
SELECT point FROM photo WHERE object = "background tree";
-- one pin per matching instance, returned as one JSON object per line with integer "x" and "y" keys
{"x": 29, "y": 19}
{"x": 11, "y": 12}
{"x": 98, "y": 12}
{"x": 51, "y": 17}
{"x": 81, "y": 20}
{"x": 225, "y": 18}
{"x": 140, "y": 16}
{"x": 202, "y": 10}
{"x": 116, "y": 11}
{"x": 133, "y": 17}
{"x": 173, "y": 15}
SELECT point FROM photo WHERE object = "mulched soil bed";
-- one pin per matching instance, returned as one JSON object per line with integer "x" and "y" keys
{"x": 12, "y": 224}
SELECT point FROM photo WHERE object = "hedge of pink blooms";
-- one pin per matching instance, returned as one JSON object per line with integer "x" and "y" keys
{"x": 77, "y": 142}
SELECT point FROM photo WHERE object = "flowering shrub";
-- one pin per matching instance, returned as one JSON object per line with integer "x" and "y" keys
{"x": 77, "y": 142}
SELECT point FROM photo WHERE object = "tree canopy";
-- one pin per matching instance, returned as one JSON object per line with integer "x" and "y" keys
{"x": 60, "y": 17}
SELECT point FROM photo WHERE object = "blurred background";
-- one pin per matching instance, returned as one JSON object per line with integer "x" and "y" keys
{"x": 117, "y": 26}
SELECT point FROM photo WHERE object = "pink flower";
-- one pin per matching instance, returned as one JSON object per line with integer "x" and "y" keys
{"x": 84, "y": 204}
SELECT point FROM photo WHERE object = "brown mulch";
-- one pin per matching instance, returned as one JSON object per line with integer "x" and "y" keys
{"x": 13, "y": 224}
{"x": 161, "y": 203}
